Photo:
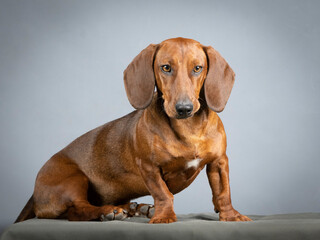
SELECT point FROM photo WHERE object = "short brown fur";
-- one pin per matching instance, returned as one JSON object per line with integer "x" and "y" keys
{"x": 151, "y": 150}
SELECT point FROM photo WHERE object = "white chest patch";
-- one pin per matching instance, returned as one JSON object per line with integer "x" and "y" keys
{"x": 194, "y": 163}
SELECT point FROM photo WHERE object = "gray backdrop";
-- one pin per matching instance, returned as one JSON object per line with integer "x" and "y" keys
{"x": 61, "y": 66}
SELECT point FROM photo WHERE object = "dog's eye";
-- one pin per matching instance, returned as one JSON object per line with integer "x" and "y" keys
{"x": 197, "y": 69}
{"x": 166, "y": 68}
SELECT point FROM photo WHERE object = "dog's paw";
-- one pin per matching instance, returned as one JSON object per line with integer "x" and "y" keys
{"x": 233, "y": 215}
{"x": 141, "y": 209}
{"x": 163, "y": 219}
{"x": 145, "y": 210}
{"x": 116, "y": 214}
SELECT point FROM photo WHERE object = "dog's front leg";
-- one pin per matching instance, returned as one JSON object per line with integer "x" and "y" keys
{"x": 218, "y": 175}
{"x": 163, "y": 198}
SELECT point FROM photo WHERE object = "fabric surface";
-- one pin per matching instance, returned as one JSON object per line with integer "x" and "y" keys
{"x": 192, "y": 226}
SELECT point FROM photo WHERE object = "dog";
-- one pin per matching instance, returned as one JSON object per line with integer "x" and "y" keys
{"x": 177, "y": 87}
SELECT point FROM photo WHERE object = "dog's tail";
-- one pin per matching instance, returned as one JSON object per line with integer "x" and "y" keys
{"x": 27, "y": 212}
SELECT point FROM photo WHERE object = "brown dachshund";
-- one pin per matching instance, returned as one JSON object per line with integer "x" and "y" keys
{"x": 159, "y": 149}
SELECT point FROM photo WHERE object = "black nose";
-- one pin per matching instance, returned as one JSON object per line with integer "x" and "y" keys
{"x": 184, "y": 109}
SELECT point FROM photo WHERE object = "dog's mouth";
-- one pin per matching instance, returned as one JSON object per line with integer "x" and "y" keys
{"x": 184, "y": 116}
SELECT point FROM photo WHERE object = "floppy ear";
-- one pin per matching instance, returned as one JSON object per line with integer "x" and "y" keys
{"x": 219, "y": 81}
{"x": 139, "y": 80}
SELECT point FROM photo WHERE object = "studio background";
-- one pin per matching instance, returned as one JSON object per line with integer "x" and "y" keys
{"x": 61, "y": 68}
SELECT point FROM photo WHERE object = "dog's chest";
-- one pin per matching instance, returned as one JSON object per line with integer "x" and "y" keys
{"x": 185, "y": 154}
{"x": 180, "y": 172}
{"x": 181, "y": 161}
{"x": 194, "y": 163}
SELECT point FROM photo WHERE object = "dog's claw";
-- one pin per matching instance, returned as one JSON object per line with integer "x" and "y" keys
{"x": 151, "y": 211}
{"x": 133, "y": 205}
{"x": 120, "y": 216}
{"x": 108, "y": 217}
{"x": 144, "y": 209}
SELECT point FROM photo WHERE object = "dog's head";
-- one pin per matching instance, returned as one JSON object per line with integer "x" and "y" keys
{"x": 179, "y": 68}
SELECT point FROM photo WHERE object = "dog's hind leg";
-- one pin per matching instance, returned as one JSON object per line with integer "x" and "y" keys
{"x": 84, "y": 211}
{"x": 61, "y": 191}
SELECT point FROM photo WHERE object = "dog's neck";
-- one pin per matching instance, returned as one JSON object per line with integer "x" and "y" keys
{"x": 194, "y": 126}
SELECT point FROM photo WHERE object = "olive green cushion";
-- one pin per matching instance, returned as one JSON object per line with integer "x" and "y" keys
{"x": 191, "y": 226}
